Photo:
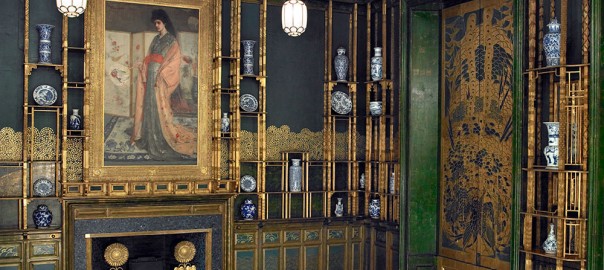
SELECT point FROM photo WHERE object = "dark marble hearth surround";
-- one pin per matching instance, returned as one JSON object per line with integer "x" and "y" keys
{"x": 166, "y": 222}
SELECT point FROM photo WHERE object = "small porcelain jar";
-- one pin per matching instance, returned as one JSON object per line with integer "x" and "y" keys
{"x": 375, "y": 107}
{"x": 248, "y": 210}
{"x": 42, "y": 217}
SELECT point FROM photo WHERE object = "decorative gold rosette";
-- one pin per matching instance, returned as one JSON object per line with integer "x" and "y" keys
{"x": 184, "y": 251}
{"x": 116, "y": 254}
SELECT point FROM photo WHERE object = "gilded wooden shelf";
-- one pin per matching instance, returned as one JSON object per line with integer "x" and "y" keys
{"x": 569, "y": 258}
{"x": 550, "y": 215}
{"x": 225, "y": 57}
{"x": 542, "y": 168}
{"x": 251, "y": 114}
{"x": 555, "y": 67}
{"x": 226, "y": 91}
{"x": 252, "y": 76}
{"x": 44, "y": 107}
{"x": 343, "y": 82}
{"x": 82, "y": 49}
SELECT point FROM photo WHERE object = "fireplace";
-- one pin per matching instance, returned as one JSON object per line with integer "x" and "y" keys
{"x": 150, "y": 250}
{"x": 149, "y": 229}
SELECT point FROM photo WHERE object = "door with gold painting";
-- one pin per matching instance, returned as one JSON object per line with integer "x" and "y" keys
{"x": 476, "y": 135}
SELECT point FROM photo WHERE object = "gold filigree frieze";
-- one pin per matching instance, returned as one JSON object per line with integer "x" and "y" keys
{"x": 12, "y": 144}
{"x": 224, "y": 159}
{"x": 44, "y": 143}
{"x": 282, "y": 139}
{"x": 249, "y": 145}
{"x": 75, "y": 148}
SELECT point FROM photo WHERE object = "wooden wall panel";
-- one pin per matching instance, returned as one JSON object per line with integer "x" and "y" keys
{"x": 476, "y": 143}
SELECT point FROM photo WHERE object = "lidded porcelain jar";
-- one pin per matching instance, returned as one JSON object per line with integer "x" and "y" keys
{"x": 248, "y": 210}
{"x": 42, "y": 217}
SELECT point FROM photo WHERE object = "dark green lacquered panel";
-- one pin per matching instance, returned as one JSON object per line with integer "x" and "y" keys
{"x": 311, "y": 258}
{"x": 423, "y": 133}
{"x": 244, "y": 260}
{"x": 274, "y": 205}
{"x": 297, "y": 205}
{"x": 271, "y": 259}
{"x": 336, "y": 257}
{"x": 44, "y": 266}
{"x": 317, "y": 204}
{"x": 356, "y": 256}
{"x": 292, "y": 258}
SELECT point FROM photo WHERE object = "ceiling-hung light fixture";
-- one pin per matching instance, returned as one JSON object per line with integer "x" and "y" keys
{"x": 293, "y": 17}
{"x": 71, "y": 8}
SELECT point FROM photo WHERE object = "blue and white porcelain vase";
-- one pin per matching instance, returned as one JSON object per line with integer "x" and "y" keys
{"x": 42, "y": 216}
{"x": 374, "y": 208}
{"x": 339, "y": 211}
{"x": 225, "y": 123}
{"x": 362, "y": 181}
{"x": 340, "y": 64}
{"x": 248, "y": 210}
{"x": 376, "y": 64}
{"x": 375, "y": 108}
{"x": 75, "y": 120}
{"x": 295, "y": 176}
{"x": 248, "y": 56}
{"x": 551, "y": 43}
{"x": 550, "y": 245}
{"x": 551, "y": 151}
{"x": 392, "y": 183}
{"x": 44, "y": 32}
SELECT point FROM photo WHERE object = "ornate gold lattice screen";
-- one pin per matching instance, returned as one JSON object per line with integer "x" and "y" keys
{"x": 476, "y": 128}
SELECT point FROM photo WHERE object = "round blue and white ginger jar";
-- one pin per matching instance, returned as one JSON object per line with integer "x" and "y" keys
{"x": 42, "y": 216}
{"x": 248, "y": 210}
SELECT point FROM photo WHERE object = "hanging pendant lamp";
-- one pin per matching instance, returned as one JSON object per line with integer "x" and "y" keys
{"x": 71, "y": 8}
{"x": 293, "y": 17}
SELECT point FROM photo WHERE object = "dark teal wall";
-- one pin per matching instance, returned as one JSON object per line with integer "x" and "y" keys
{"x": 295, "y": 71}
{"x": 11, "y": 70}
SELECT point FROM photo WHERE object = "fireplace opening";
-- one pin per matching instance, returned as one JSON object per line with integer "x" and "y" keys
{"x": 149, "y": 250}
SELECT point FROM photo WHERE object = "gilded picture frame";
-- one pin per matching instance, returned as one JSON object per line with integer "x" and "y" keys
{"x": 148, "y": 105}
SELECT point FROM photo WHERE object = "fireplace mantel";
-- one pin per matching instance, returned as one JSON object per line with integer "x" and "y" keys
{"x": 90, "y": 218}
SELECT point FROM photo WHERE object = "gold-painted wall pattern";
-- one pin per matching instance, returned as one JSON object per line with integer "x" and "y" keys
{"x": 476, "y": 124}
{"x": 12, "y": 144}
{"x": 44, "y": 143}
{"x": 282, "y": 139}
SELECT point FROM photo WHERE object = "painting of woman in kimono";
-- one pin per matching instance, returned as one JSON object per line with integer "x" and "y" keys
{"x": 154, "y": 128}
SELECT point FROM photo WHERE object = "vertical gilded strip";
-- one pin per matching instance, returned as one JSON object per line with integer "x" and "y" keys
{"x": 530, "y": 192}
